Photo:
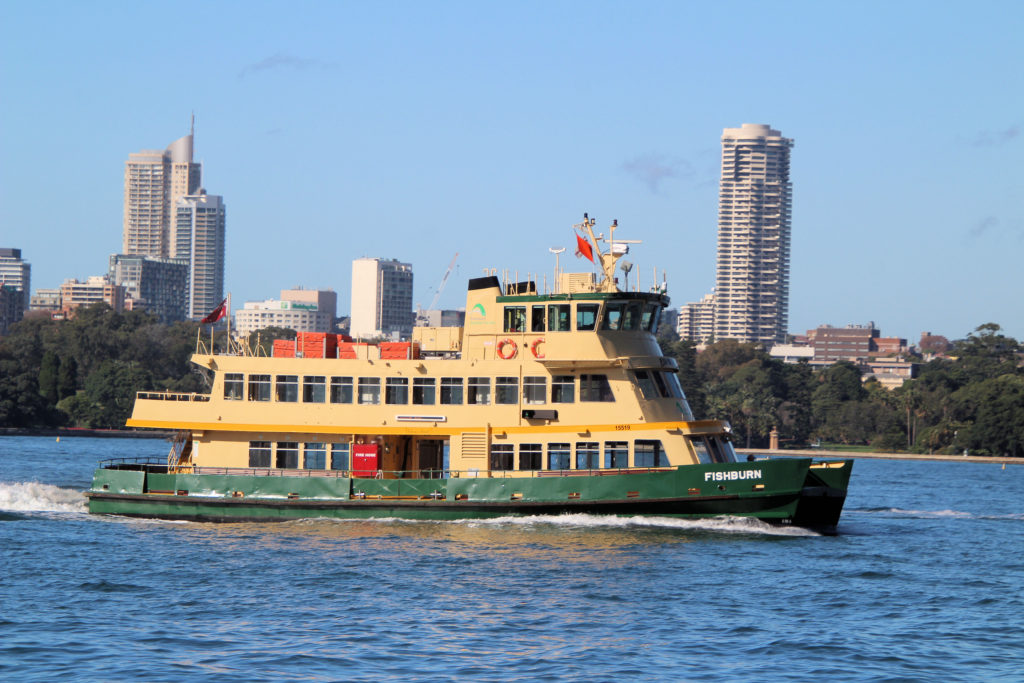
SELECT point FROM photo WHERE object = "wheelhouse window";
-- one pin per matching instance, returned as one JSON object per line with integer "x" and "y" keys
{"x": 631, "y": 316}
{"x": 612, "y": 315}
{"x": 339, "y": 456}
{"x": 535, "y": 390}
{"x": 649, "y": 453}
{"x": 586, "y": 316}
{"x": 287, "y": 455}
{"x": 530, "y": 456}
{"x": 506, "y": 390}
{"x": 558, "y": 456}
{"x": 515, "y": 318}
{"x": 369, "y": 390}
{"x": 502, "y": 456}
{"x": 649, "y": 320}
{"x": 588, "y": 455}
{"x": 341, "y": 390}
{"x": 558, "y": 317}
{"x": 616, "y": 454}
{"x": 478, "y": 391}
{"x": 643, "y": 380}
{"x": 397, "y": 390}
{"x": 287, "y": 388}
{"x": 314, "y": 456}
{"x": 537, "y": 318}
{"x": 259, "y": 387}
{"x": 259, "y": 454}
{"x": 234, "y": 386}
{"x": 451, "y": 391}
{"x": 424, "y": 391}
{"x": 314, "y": 388}
{"x": 713, "y": 449}
{"x": 595, "y": 388}
{"x": 563, "y": 389}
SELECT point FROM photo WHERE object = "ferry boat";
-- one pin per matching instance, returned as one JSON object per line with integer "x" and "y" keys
{"x": 544, "y": 403}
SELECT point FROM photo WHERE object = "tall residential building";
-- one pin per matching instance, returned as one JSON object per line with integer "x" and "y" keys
{"x": 381, "y": 298}
{"x": 754, "y": 216}
{"x": 154, "y": 181}
{"x": 16, "y": 273}
{"x": 95, "y": 289}
{"x": 696, "y": 320}
{"x": 199, "y": 239}
{"x": 156, "y": 285}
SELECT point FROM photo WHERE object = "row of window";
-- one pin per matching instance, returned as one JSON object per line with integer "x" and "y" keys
{"x": 646, "y": 453}
{"x": 424, "y": 390}
{"x": 616, "y": 315}
{"x": 286, "y": 455}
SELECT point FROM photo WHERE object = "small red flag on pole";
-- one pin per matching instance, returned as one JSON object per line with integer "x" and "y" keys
{"x": 216, "y": 314}
{"x": 583, "y": 248}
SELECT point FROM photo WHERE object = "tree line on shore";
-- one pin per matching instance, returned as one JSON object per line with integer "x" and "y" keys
{"x": 85, "y": 372}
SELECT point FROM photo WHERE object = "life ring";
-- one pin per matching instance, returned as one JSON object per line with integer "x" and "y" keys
{"x": 534, "y": 345}
{"x": 502, "y": 345}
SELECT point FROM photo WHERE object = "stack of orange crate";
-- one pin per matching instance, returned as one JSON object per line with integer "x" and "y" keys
{"x": 399, "y": 350}
{"x": 284, "y": 348}
{"x": 317, "y": 344}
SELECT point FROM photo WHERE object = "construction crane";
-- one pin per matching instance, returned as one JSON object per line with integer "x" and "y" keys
{"x": 421, "y": 316}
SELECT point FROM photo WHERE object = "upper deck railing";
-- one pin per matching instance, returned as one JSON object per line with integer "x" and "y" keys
{"x": 171, "y": 396}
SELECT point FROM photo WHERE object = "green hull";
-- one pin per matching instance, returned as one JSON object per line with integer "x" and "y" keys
{"x": 784, "y": 491}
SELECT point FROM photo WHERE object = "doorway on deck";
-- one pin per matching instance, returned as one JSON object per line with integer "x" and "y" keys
{"x": 430, "y": 458}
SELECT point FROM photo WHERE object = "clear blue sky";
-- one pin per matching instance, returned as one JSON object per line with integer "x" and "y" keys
{"x": 414, "y": 130}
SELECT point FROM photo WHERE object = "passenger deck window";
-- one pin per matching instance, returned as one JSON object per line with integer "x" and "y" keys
{"x": 369, "y": 390}
{"x": 314, "y": 456}
{"x": 616, "y": 454}
{"x": 339, "y": 456}
{"x": 341, "y": 390}
{"x": 397, "y": 391}
{"x": 586, "y": 316}
{"x": 451, "y": 391}
{"x": 530, "y": 456}
{"x": 478, "y": 391}
{"x": 502, "y": 457}
{"x": 563, "y": 389}
{"x": 259, "y": 454}
{"x": 314, "y": 388}
{"x": 515, "y": 318}
{"x": 234, "y": 386}
{"x": 646, "y": 384}
{"x": 424, "y": 390}
{"x": 537, "y": 318}
{"x": 506, "y": 390}
{"x": 558, "y": 456}
{"x": 259, "y": 387}
{"x": 558, "y": 317}
{"x": 588, "y": 455}
{"x": 649, "y": 453}
{"x": 595, "y": 388}
{"x": 287, "y": 388}
{"x": 287, "y": 455}
{"x": 535, "y": 390}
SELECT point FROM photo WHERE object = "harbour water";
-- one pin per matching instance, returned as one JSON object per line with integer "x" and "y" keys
{"x": 925, "y": 582}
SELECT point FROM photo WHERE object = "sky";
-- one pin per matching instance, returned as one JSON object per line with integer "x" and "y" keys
{"x": 421, "y": 130}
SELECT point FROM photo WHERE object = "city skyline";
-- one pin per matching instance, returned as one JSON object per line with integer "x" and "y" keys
{"x": 431, "y": 130}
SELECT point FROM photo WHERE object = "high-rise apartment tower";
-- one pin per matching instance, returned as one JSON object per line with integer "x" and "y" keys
{"x": 199, "y": 238}
{"x": 381, "y": 298}
{"x": 754, "y": 215}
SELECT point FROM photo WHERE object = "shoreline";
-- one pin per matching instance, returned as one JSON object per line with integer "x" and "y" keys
{"x": 936, "y": 457}
{"x": 79, "y": 432}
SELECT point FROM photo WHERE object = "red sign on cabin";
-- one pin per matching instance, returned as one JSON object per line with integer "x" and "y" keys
{"x": 365, "y": 459}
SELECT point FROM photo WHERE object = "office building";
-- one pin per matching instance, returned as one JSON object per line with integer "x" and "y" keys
{"x": 154, "y": 181}
{"x": 199, "y": 239}
{"x": 45, "y": 300}
{"x": 156, "y": 285}
{"x": 16, "y": 274}
{"x": 751, "y": 301}
{"x": 95, "y": 289}
{"x": 302, "y": 310}
{"x": 381, "y": 299}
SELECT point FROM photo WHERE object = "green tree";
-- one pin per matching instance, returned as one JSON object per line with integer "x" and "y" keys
{"x": 49, "y": 371}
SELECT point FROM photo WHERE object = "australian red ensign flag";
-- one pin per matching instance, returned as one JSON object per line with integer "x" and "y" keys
{"x": 216, "y": 314}
{"x": 583, "y": 248}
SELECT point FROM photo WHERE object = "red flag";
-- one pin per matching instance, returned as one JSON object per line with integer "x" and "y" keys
{"x": 216, "y": 314}
{"x": 583, "y": 248}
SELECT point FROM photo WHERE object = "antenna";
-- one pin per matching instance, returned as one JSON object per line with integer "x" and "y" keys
{"x": 554, "y": 282}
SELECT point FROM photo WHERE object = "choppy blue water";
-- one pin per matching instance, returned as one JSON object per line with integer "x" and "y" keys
{"x": 924, "y": 583}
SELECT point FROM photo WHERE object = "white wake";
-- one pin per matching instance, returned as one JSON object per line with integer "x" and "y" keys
{"x": 33, "y": 496}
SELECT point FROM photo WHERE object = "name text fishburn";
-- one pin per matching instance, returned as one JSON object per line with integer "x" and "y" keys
{"x": 735, "y": 475}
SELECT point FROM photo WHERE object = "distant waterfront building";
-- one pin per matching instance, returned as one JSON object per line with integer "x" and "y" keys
{"x": 302, "y": 310}
{"x": 751, "y": 301}
{"x": 441, "y": 318}
{"x": 156, "y": 285}
{"x": 46, "y": 300}
{"x": 381, "y": 298}
{"x": 852, "y": 343}
{"x": 199, "y": 228}
{"x": 12, "y": 307}
{"x": 154, "y": 181}
{"x": 74, "y": 294}
{"x": 696, "y": 320}
{"x": 16, "y": 274}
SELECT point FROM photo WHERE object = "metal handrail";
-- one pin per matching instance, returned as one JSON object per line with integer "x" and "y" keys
{"x": 171, "y": 396}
